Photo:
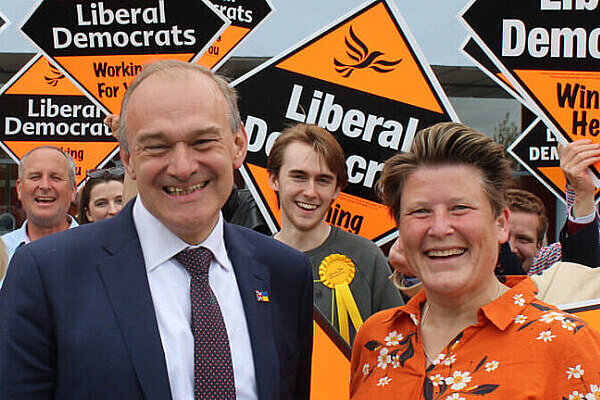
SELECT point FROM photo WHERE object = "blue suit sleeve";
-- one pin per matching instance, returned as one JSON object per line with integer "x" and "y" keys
{"x": 27, "y": 342}
{"x": 302, "y": 391}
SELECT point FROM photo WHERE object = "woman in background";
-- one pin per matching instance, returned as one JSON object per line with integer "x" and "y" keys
{"x": 102, "y": 195}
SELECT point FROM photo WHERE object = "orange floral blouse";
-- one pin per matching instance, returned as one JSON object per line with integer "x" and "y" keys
{"x": 521, "y": 348}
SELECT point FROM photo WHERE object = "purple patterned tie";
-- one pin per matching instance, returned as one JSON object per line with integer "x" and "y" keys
{"x": 213, "y": 369}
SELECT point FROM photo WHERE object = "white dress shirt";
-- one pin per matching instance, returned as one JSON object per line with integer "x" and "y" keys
{"x": 170, "y": 290}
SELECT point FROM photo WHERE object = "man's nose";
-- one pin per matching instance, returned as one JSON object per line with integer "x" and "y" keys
{"x": 310, "y": 189}
{"x": 45, "y": 182}
{"x": 182, "y": 162}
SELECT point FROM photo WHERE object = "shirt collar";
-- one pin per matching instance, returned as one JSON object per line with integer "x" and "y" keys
{"x": 159, "y": 244}
{"x": 26, "y": 239}
{"x": 500, "y": 312}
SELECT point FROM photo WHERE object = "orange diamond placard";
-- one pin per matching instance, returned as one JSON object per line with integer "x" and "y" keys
{"x": 102, "y": 46}
{"x": 39, "y": 106}
{"x": 364, "y": 80}
{"x": 549, "y": 52}
{"x": 245, "y": 16}
{"x": 536, "y": 149}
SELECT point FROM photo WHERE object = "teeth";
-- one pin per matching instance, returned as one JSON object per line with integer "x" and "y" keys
{"x": 44, "y": 199}
{"x": 306, "y": 206}
{"x": 445, "y": 253}
{"x": 180, "y": 192}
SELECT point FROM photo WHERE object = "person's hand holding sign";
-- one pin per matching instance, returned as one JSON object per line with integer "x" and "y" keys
{"x": 575, "y": 159}
{"x": 112, "y": 121}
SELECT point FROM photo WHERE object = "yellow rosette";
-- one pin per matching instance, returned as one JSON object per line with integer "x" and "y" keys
{"x": 336, "y": 272}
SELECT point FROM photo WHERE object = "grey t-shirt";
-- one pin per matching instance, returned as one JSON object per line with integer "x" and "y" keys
{"x": 371, "y": 288}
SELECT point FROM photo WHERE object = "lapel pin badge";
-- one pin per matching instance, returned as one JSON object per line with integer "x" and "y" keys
{"x": 262, "y": 295}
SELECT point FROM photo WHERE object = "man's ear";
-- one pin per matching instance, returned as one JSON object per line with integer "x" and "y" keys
{"x": 19, "y": 189}
{"x": 240, "y": 143}
{"x": 274, "y": 182}
{"x": 127, "y": 163}
{"x": 73, "y": 193}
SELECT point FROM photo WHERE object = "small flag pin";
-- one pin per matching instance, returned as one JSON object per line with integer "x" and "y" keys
{"x": 262, "y": 295}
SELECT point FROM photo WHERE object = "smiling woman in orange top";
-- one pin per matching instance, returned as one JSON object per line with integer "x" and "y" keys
{"x": 466, "y": 335}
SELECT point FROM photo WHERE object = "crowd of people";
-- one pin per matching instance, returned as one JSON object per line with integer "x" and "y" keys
{"x": 46, "y": 188}
{"x": 176, "y": 287}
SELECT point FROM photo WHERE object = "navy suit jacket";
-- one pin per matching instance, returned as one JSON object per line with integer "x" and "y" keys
{"x": 77, "y": 319}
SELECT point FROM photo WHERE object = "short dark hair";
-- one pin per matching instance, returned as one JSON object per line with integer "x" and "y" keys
{"x": 524, "y": 201}
{"x": 447, "y": 143}
{"x": 322, "y": 142}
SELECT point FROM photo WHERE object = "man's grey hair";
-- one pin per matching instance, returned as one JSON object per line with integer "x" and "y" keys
{"x": 175, "y": 67}
{"x": 66, "y": 155}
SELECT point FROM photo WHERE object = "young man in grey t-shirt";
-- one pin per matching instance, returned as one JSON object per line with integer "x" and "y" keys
{"x": 307, "y": 169}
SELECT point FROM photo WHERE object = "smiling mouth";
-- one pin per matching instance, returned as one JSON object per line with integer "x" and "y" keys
{"x": 307, "y": 206}
{"x": 445, "y": 253}
{"x": 175, "y": 191}
{"x": 44, "y": 200}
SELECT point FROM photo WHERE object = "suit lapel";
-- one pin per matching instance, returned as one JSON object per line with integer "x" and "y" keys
{"x": 252, "y": 276}
{"x": 126, "y": 283}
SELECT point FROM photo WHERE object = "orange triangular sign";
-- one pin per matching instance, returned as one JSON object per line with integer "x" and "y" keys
{"x": 571, "y": 97}
{"x": 44, "y": 78}
{"x": 368, "y": 52}
{"x": 223, "y": 45}
{"x": 363, "y": 79}
{"x": 39, "y": 106}
{"x": 107, "y": 77}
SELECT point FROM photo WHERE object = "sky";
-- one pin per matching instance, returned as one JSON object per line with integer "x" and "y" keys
{"x": 295, "y": 20}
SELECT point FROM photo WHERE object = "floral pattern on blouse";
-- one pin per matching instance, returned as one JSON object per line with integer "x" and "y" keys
{"x": 450, "y": 375}
{"x": 395, "y": 354}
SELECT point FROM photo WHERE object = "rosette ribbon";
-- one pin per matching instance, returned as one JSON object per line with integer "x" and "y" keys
{"x": 337, "y": 272}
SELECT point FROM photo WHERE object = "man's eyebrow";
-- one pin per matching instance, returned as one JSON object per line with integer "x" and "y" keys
{"x": 150, "y": 135}
{"x": 159, "y": 135}
{"x": 297, "y": 171}
{"x": 332, "y": 176}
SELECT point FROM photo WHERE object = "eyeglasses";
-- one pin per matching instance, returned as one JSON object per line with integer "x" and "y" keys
{"x": 115, "y": 172}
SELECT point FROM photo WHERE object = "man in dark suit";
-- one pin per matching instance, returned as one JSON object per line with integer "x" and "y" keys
{"x": 116, "y": 309}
